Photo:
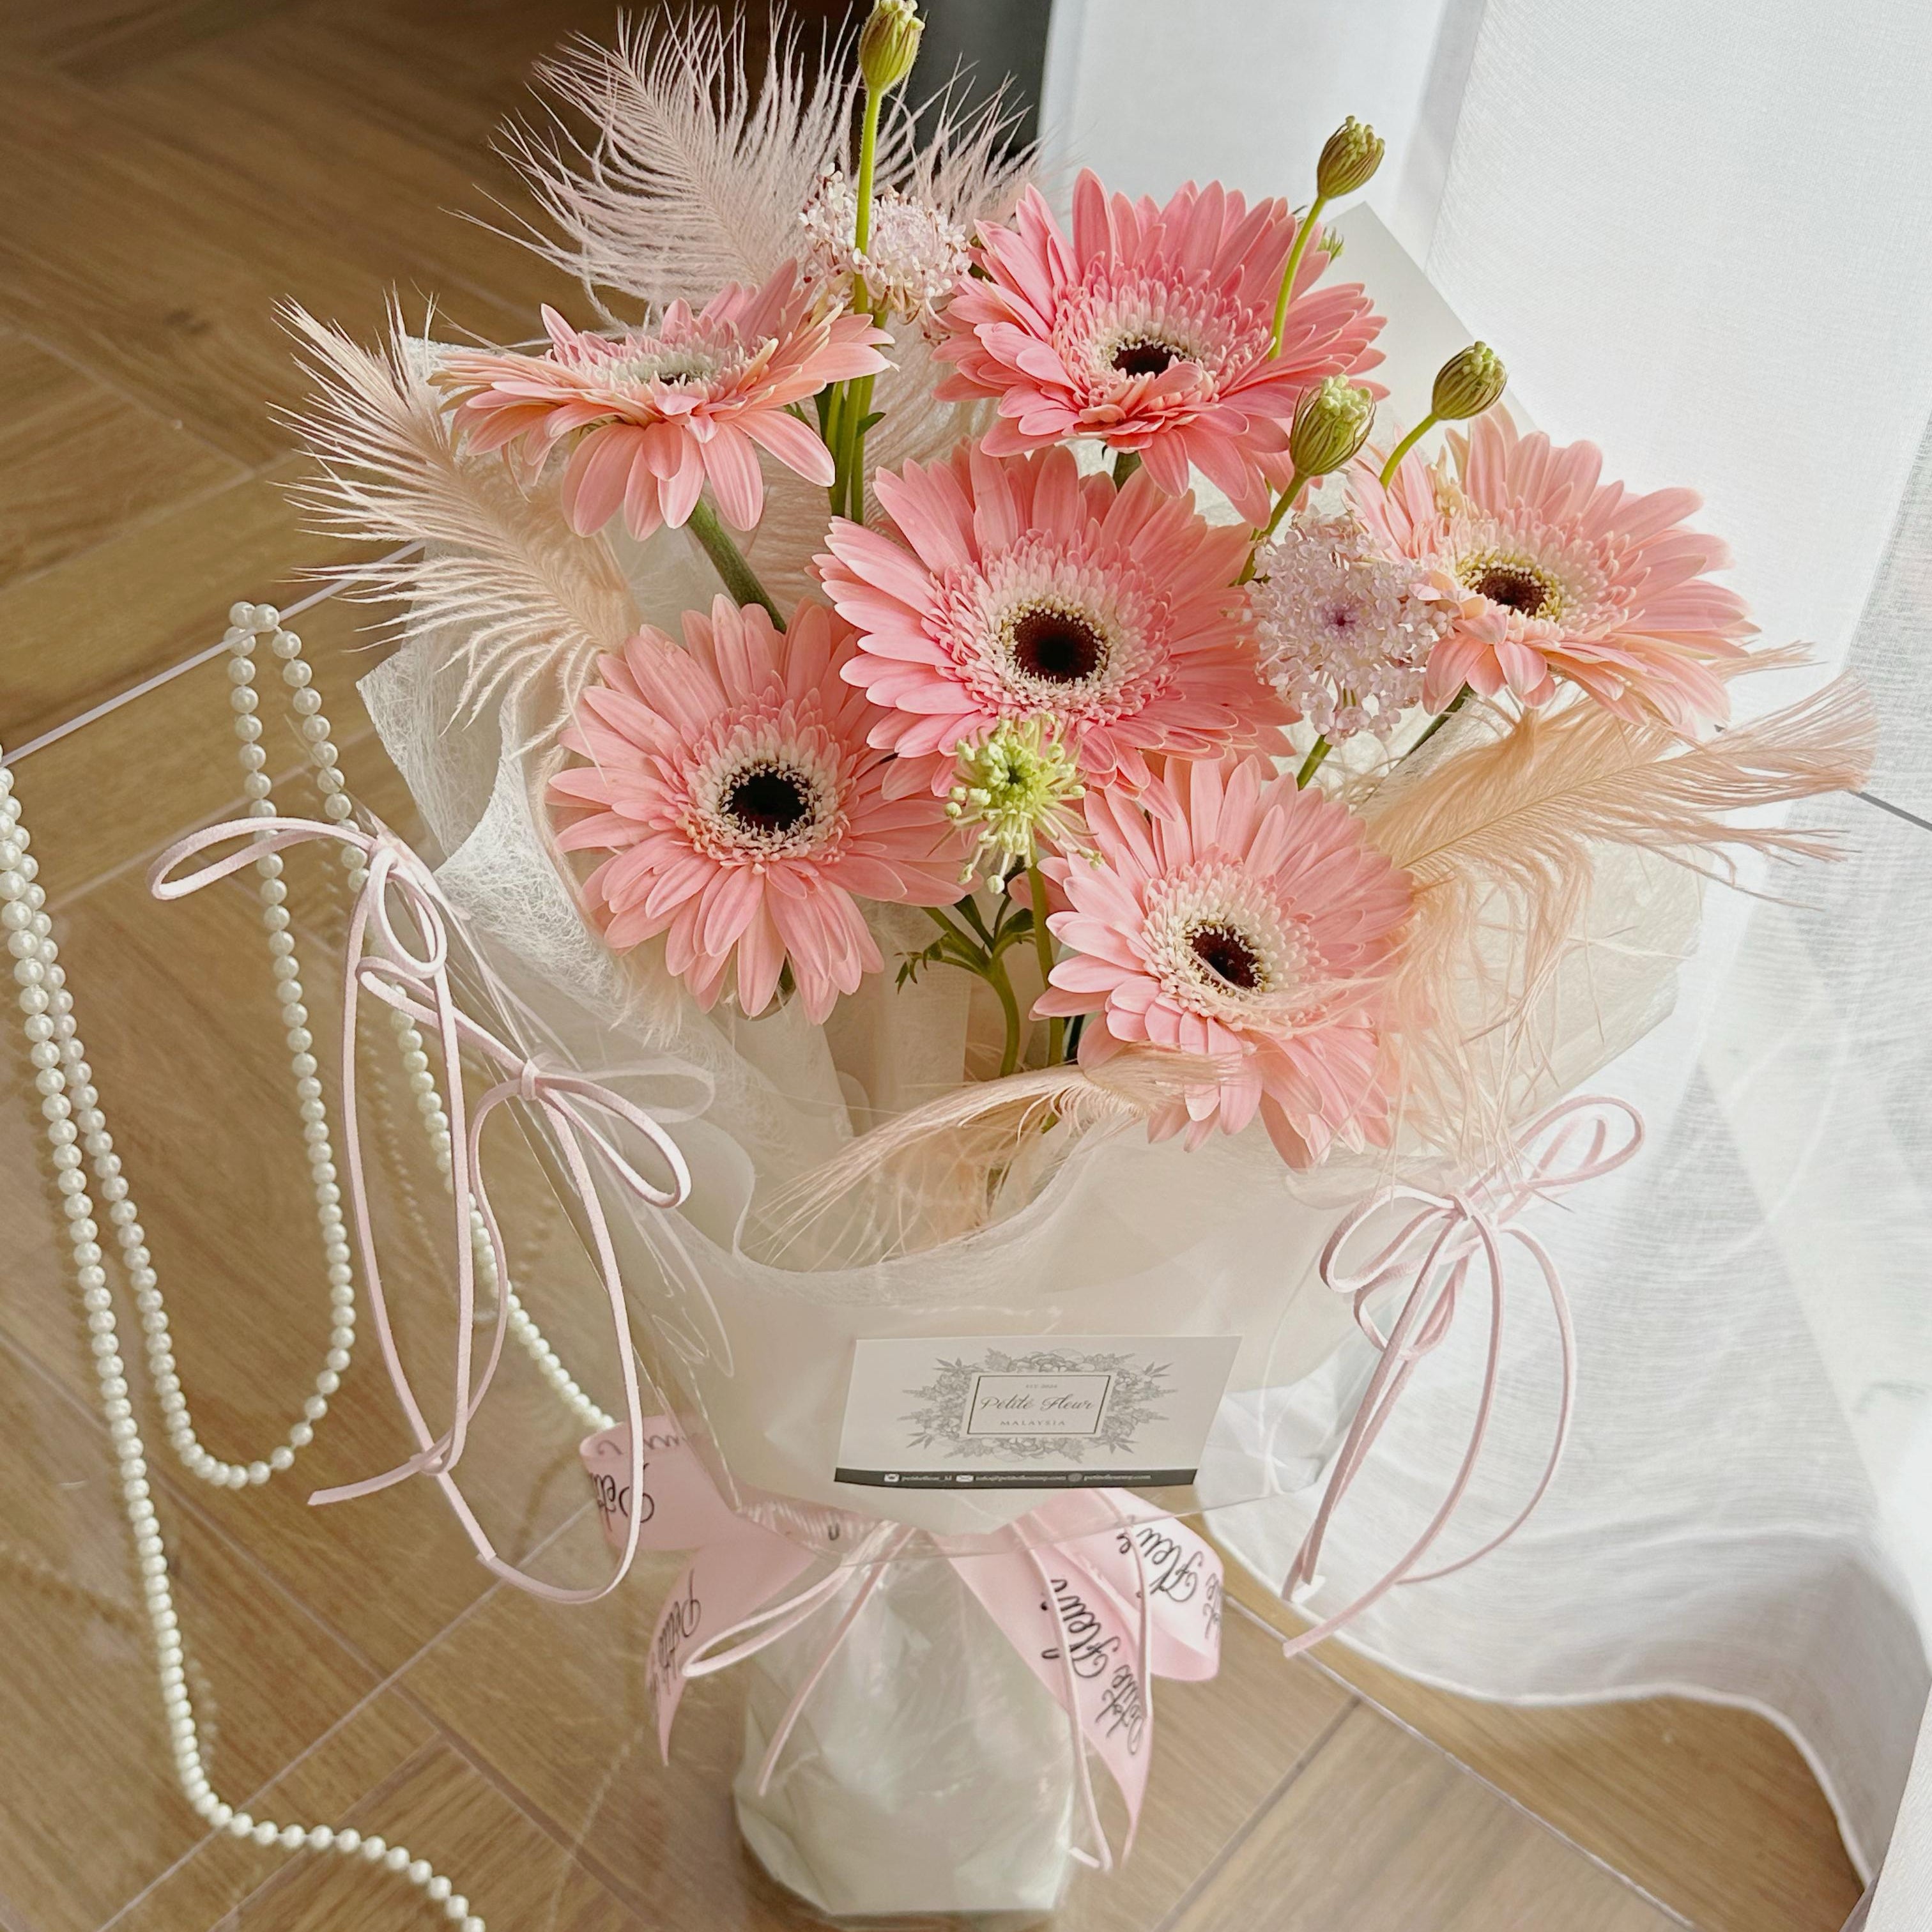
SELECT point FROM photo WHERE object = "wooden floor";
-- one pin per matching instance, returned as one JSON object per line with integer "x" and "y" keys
{"x": 173, "y": 168}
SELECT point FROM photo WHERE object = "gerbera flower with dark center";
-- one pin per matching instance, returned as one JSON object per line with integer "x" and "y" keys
{"x": 1232, "y": 916}
{"x": 744, "y": 812}
{"x": 1018, "y": 589}
{"x": 1556, "y": 573}
{"x": 662, "y": 412}
{"x": 1152, "y": 328}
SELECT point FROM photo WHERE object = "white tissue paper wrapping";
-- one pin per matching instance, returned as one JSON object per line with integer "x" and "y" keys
{"x": 928, "y": 1773}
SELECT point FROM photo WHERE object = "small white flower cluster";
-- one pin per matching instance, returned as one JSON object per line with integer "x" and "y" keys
{"x": 1344, "y": 631}
{"x": 915, "y": 254}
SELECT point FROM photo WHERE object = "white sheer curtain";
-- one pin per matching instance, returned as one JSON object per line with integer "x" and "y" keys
{"x": 1694, "y": 229}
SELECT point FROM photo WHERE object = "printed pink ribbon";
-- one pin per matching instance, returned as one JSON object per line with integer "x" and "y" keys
{"x": 1097, "y": 1591}
{"x": 1433, "y": 1252}
{"x": 380, "y": 961}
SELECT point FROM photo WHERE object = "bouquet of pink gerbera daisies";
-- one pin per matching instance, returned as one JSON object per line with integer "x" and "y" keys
{"x": 998, "y": 709}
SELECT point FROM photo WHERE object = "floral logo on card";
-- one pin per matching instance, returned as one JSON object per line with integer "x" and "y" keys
{"x": 1054, "y": 1403}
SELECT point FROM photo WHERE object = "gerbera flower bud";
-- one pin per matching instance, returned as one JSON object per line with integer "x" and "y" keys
{"x": 1331, "y": 422}
{"x": 1467, "y": 383}
{"x": 1017, "y": 789}
{"x": 1349, "y": 160}
{"x": 889, "y": 44}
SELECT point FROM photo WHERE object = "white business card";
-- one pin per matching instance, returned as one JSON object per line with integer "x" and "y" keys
{"x": 1031, "y": 1411}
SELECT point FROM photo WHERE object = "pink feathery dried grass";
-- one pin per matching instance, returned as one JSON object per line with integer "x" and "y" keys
{"x": 498, "y": 569}
{"x": 970, "y": 1138}
{"x": 694, "y": 174}
{"x": 1507, "y": 836}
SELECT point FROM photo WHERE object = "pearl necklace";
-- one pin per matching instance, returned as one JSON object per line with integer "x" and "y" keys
{"x": 76, "y": 1128}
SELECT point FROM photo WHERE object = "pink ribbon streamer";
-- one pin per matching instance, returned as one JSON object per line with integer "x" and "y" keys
{"x": 380, "y": 961}
{"x": 1098, "y": 1592}
{"x": 1433, "y": 1252}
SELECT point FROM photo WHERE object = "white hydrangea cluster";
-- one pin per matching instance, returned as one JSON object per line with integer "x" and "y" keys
{"x": 914, "y": 255}
{"x": 1344, "y": 631}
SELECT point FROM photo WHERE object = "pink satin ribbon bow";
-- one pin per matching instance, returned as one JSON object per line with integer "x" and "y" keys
{"x": 1098, "y": 1592}
{"x": 1433, "y": 1252}
{"x": 379, "y": 960}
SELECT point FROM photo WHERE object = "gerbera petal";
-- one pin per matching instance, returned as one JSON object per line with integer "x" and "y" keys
{"x": 732, "y": 465}
{"x": 795, "y": 444}
{"x": 593, "y": 487}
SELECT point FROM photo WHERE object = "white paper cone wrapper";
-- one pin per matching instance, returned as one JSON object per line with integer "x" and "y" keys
{"x": 928, "y": 1773}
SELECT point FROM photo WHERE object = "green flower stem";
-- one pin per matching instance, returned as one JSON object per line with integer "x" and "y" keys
{"x": 737, "y": 576}
{"x": 1043, "y": 944}
{"x": 1408, "y": 443}
{"x": 1126, "y": 462}
{"x": 970, "y": 907}
{"x": 996, "y": 979}
{"x": 939, "y": 919}
{"x": 868, "y": 149}
{"x": 1441, "y": 717}
{"x": 851, "y": 400}
{"x": 834, "y": 433}
{"x": 991, "y": 968}
{"x": 1294, "y": 256}
{"x": 1297, "y": 483}
{"x": 1311, "y": 763}
{"x": 858, "y": 407}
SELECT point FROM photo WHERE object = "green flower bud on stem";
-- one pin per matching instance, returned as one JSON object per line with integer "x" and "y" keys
{"x": 1331, "y": 422}
{"x": 889, "y": 44}
{"x": 1467, "y": 383}
{"x": 1349, "y": 159}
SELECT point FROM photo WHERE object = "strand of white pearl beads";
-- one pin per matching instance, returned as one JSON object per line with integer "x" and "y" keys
{"x": 71, "y": 1108}
{"x": 246, "y": 622}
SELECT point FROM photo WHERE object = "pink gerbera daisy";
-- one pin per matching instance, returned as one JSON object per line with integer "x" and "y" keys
{"x": 1552, "y": 572}
{"x": 1151, "y": 330}
{"x": 663, "y": 412}
{"x": 1022, "y": 589}
{"x": 1233, "y": 916}
{"x": 732, "y": 784}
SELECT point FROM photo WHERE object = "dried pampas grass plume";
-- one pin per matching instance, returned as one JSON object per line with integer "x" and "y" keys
{"x": 512, "y": 597}
{"x": 694, "y": 175}
{"x": 950, "y": 1155}
{"x": 1502, "y": 841}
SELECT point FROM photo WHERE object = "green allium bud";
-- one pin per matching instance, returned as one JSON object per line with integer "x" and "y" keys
{"x": 1348, "y": 160}
{"x": 889, "y": 44}
{"x": 1467, "y": 383}
{"x": 1331, "y": 422}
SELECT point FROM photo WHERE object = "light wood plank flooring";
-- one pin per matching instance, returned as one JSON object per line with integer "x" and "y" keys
{"x": 172, "y": 168}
